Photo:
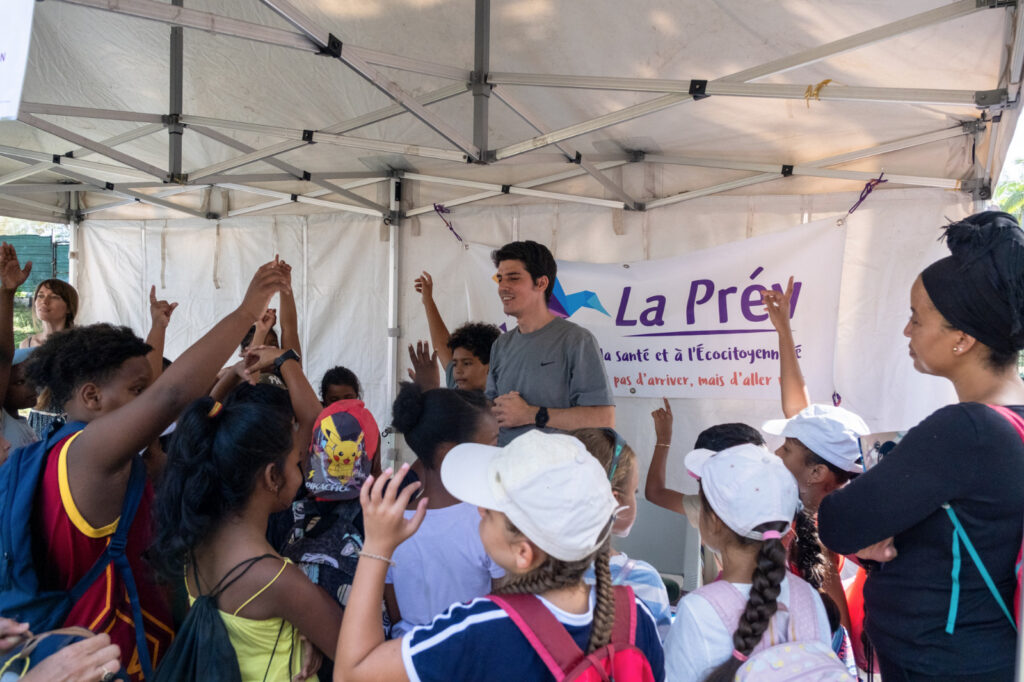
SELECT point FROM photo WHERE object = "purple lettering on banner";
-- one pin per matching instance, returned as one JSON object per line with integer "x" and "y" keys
{"x": 752, "y": 297}
{"x": 655, "y": 315}
{"x": 723, "y": 312}
{"x": 620, "y": 319}
{"x": 691, "y": 300}
{"x": 793, "y": 298}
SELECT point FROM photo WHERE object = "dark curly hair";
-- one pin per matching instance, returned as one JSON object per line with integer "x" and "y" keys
{"x": 536, "y": 258}
{"x": 340, "y": 376}
{"x": 212, "y": 467}
{"x": 477, "y": 338}
{"x": 441, "y": 415}
{"x": 76, "y": 356}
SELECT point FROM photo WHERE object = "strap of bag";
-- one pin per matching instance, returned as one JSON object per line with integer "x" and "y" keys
{"x": 802, "y": 615}
{"x": 1018, "y": 424}
{"x": 726, "y": 600}
{"x": 231, "y": 576}
{"x": 624, "y": 630}
{"x": 546, "y": 635}
{"x": 960, "y": 536}
{"x": 623, "y": 575}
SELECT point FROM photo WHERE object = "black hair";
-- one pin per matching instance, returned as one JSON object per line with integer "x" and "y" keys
{"x": 247, "y": 339}
{"x": 340, "y": 376}
{"x": 536, "y": 258}
{"x": 807, "y": 553}
{"x": 271, "y": 395}
{"x": 842, "y": 475}
{"x": 722, "y": 436}
{"x": 477, "y": 338}
{"x": 441, "y": 415}
{"x": 76, "y": 356}
{"x": 213, "y": 463}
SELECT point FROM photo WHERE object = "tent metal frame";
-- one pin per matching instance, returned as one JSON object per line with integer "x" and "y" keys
{"x": 304, "y": 34}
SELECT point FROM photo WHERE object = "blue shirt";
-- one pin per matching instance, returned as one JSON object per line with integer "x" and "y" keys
{"x": 478, "y": 641}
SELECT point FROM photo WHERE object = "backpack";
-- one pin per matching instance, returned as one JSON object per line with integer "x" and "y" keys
{"x": 619, "y": 660}
{"x": 960, "y": 537}
{"x": 802, "y": 657}
{"x": 202, "y": 648}
{"x": 21, "y": 596}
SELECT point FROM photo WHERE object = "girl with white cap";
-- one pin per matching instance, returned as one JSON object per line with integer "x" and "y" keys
{"x": 749, "y": 500}
{"x": 546, "y": 511}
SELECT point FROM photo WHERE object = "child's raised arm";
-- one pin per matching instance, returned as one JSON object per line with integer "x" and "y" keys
{"x": 161, "y": 312}
{"x": 791, "y": 380}
{"x": 99, "y": 458}
{"x": 439, "y": 334}
{"x": 289, "y": 318}
{"x": 12, "y": 276}
{"x": 655, "y": 489}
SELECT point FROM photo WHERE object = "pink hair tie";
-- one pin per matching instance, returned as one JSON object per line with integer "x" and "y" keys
{"x": 771, "y": 535}
{"x": 738, "y": 656}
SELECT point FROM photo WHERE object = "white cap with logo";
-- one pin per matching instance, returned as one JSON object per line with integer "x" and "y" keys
{"x": 831, "y": 433}
{"x": 547, "y": 484}
{"x": 746, "y": 486}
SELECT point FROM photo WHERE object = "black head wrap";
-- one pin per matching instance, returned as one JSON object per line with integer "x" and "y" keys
{"x": 980, "y": 288}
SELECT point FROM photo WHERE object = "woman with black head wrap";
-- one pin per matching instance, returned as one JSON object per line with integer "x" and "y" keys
{"x": 926, "y": 619}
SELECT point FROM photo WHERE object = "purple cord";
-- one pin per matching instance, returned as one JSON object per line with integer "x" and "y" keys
{"x": 869, "y": 187}
{"x": 440, "y": 210}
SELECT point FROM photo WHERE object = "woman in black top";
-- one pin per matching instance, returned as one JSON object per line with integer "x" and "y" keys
{"x": 967, "y": 325}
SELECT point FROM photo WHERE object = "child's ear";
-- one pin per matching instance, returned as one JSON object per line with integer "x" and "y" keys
{"x": 89, "y": 393}
{"x": 618, "y": 496}
{"x": 272, "y": 479}
{"x": 817, "y": 474}
{"x": 527, "y": 555}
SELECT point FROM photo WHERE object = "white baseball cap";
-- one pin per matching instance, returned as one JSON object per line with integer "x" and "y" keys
{"x": 547, "y": 484}
{"x": 831, "y": 433}
{"x": 746, "y": 486}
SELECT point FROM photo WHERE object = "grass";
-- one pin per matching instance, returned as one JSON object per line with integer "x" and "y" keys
{"x": 22, "y": 323}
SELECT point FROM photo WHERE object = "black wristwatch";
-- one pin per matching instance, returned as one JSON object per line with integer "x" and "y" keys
{"x": 541, "y": 420}
{"x": 285, "y": 357}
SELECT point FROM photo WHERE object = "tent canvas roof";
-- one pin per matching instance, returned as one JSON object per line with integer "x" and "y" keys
{"x": 930, "y": 60}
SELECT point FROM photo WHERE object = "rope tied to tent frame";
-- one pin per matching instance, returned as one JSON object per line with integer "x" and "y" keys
{"x": 869, "y": 187}
{"x": 441, "y": 210}
{"x": 815, "y": 91}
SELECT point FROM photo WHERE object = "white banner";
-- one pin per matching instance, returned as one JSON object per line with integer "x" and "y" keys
{"x": 693, "y": 326}
{"x": 15, "y": 31}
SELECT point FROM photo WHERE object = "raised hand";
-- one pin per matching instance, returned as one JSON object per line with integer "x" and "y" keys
{"x": 777, "y": 305}
{"x": 425, "y": 286}
{"x": 12, "y": 275}
{"x": 424, "y": 366}
{"x": 267, "y": 320}
{"x": 384, "y": 511}
{"x": 663, "y": 424}
{"x": 160, "y": 310}
{"x": 259, "y": 359}
{"x": 269, "y": 279}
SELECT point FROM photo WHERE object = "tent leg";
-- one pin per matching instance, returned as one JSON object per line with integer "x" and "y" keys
{"x": 478, "y": 79}
{"x": 175, "y": 129}
{"x": 391, "y": 390}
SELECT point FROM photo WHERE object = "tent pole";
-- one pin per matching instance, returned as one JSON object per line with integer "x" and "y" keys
{"x": 86, "y": 112}
{"x": 175, "y": 129}
{"x": 478, "y": 79}
{"x": 394, "y": 331}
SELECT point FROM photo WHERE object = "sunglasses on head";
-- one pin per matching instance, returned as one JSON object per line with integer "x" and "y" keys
{"x": 620, "y": 443}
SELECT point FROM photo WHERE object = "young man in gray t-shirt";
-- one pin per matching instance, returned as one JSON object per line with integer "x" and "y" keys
{"x": 547, "y": 372}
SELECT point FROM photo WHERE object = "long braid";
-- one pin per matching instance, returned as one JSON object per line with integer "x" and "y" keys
{"x": 604, "y": 608}
{"x": 761, "y": 605}
{"x": 550, "y": 575}
{"x": 807, "y": 552}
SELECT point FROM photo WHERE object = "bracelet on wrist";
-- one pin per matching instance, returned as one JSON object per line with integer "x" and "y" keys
{"x": 662, "y": 445}
{"x": 378, "y": 557}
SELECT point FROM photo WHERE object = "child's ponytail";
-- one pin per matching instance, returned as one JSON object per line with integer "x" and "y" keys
{"x": 761, "y": 606}
{"x": 806, "y": 552}
{"x": 213, "y": 461}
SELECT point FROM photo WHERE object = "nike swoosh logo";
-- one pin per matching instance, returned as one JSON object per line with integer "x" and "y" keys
{"x": 549, "y": 362}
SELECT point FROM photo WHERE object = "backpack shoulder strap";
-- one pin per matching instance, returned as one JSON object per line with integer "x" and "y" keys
{"x": 624, "y": 631}
{"x": 960, "y": 536}
{"x": 546, "y": 635}
{"x": 802, "y": 614}
{"x": 1016, "y": 421}
{"x": 727, "y": 601}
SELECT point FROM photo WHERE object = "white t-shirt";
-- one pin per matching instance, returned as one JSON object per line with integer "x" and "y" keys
{"x": 16, "y": 430}
{"x": 698, "y": 640}
{"x": 443, "y": 563}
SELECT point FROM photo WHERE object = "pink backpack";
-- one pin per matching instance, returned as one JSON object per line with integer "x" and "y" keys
{"x": 801, "y": 656}
{"x": 618, "y": 661}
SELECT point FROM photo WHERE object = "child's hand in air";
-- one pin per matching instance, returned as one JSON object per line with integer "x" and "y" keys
{"x": 267, "y": 320}
{"x": 383, "y": 511}
{"x": 271, "y": 278}
{"x": 12, "y": 275}
{"x": 425, "y": 286}
{"x": 259, "y": 359}
{"x": 777, "y": 305}
{"x": 663, "y": 424}
{"x": 160, "y": 311}
{"x": 424, "y": 369}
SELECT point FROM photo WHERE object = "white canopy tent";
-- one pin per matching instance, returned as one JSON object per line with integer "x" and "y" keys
{"x": 186, "y": 157}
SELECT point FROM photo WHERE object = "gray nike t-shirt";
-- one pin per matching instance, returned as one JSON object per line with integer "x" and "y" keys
{"x": 559, "y": 365}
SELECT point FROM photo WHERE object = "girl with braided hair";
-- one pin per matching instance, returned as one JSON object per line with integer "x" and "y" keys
{"x": 546, "y": 510}
{"x": 748, "y": 500}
